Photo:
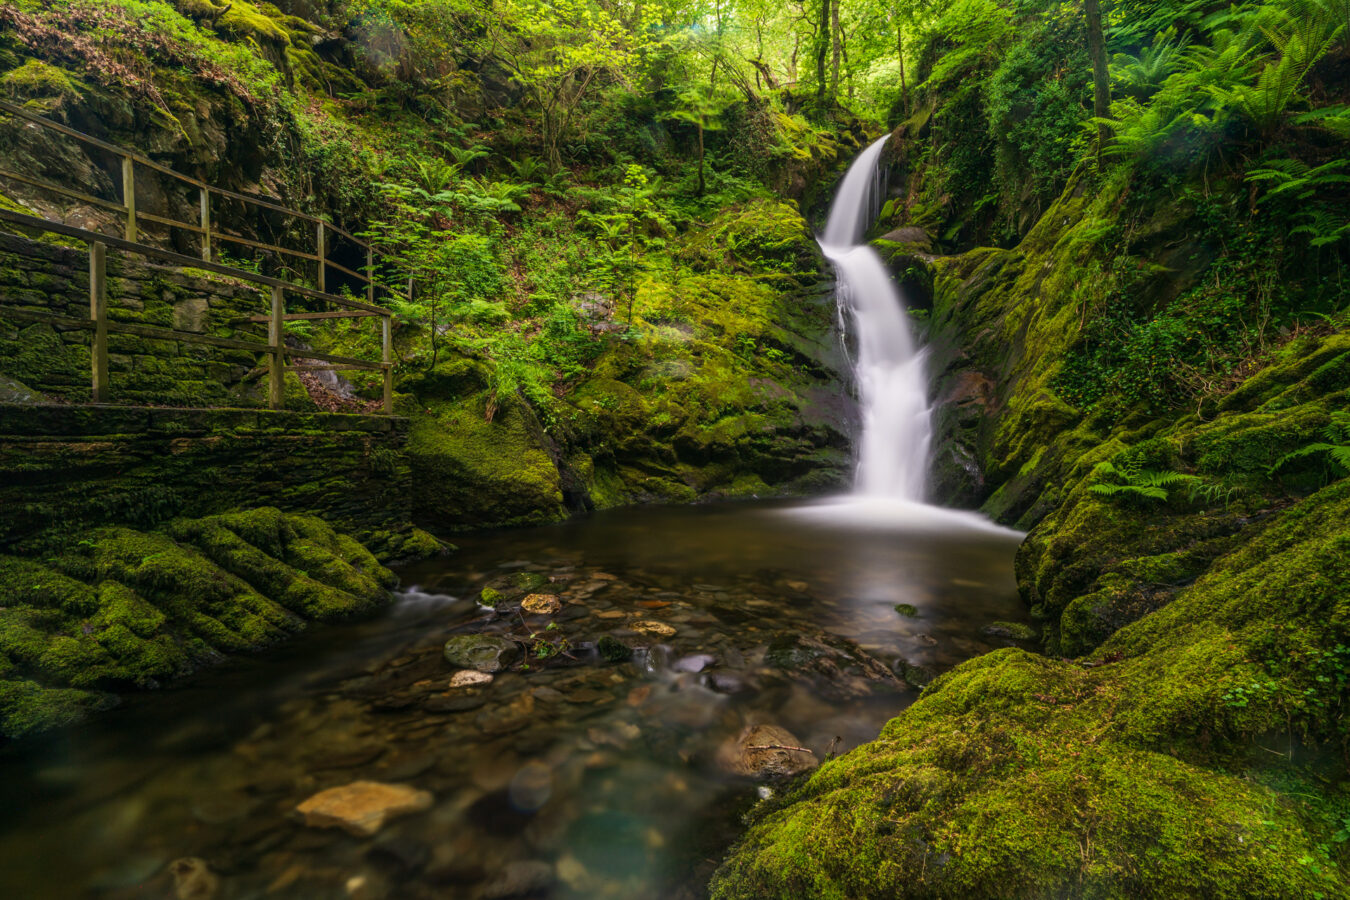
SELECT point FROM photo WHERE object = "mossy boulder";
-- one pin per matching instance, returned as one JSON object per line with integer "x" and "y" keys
{"x": 1020, "y": 776}
{"x": 120, "y": 608}
{"x": 474, "y": 471}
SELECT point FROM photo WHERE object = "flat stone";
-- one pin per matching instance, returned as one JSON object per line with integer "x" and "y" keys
{"x": 657, "y": 629}
{"x": 362, "y": 807}
{"x": 469, "y": 678}
{"x": 541, "y": 604}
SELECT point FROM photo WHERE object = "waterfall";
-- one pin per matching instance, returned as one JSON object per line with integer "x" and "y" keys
{"x": 889, "y": 369}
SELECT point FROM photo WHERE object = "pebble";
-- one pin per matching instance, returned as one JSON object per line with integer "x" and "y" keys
{"x": 470, "y": 678}
{"x": 193, "y": 879}
{"x": 541, "y": 604}
{"x": 646, "y": 626}
{"x": 519, "y": 879}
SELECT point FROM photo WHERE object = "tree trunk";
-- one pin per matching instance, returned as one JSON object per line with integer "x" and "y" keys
{"x": 1101, "y": 83}
{"x": 836, "y": 45}
{"x": 701, "y": 185}
{"x": 900, "y": 55}
{"x": 821, "y": 50}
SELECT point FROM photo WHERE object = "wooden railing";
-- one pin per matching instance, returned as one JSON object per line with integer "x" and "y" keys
{"x": 210, "y": 239}
{"x": 99, "y": 323}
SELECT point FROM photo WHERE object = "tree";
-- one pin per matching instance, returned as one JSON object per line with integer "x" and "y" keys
{"x": 1101, "y": 78}
{"x": 558, "y": 51}
{"x": 701, "y": 107}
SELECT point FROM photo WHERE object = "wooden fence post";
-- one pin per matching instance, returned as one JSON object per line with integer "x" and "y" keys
{"x": 206, "y": 224}
{"x": 370, "y": 274}
{"x": 129, "y": 195}
{"x": 387, "y": 357}
{"x": 98, "y": 312}
{"x": 321, "y": 245}
{"x": 275, "y": 372}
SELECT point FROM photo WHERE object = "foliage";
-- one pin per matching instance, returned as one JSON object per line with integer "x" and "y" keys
{"x": 1335, "y": 450}
{"x": 1134, "y": 481}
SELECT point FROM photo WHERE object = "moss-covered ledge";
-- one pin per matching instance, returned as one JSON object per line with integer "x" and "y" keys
{"x": 121, "y": 609}
{"x": 1194, "y": 755}
{"x": 64, "y": 468}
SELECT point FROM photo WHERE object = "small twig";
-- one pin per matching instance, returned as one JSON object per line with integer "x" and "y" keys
{"x": 777, "y": 747}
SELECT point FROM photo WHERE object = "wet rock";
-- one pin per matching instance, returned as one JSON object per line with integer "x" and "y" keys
{"x": 193, "y": 879}
{"x": 614, "y": 650}
{"x": 457, "y": 702}
{"x": 541, "y": 604}
{"x": 844, "y": 670}
{"x": 694, "y": 663}
{"x": 362, "y": 807}
{"x": 1014, "y": 630}
{"x": 402, "y": 854}
{"x": 469, "y": 678}
{"x": 519, "y": 879}
{"x": 220, "y": 809}
{"x": 366, "y": 887}
{"x": 728, "y": 683}
{"x": 483, "y": 652}
{"x": 655, "y": 629}
{"x": 345, "y": 758}
{"x": 765, "y": 752}
{"x": 919, "y": 676}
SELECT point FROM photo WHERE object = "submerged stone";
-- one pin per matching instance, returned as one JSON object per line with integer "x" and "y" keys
{"x": 613, "y": 649}
{"x": 483, "y": 652}
{"x": 469, "y": 678}
{"x": 1015, "y": 630}
{"x": 765, "y": 752}
{"x": 362, "y": 807}
{"x": 541, "y": 604}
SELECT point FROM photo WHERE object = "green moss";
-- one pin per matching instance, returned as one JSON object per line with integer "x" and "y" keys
{"x": 473, "y": 472}
{"x": 36, "y": 79}
{"x": 1009, "y": 766}
{"x": 27, "y": 707}
{"x": 908, "y": 610}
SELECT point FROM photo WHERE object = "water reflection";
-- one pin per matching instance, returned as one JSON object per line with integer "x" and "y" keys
{"x": 568, "y": 776}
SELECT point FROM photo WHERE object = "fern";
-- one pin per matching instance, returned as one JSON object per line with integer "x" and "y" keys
{"x": 1136, "y": 482}
{"x": 1336, "y": 446}
{"x": 1322, "y": 227}
{"x": 1144, "y": 74}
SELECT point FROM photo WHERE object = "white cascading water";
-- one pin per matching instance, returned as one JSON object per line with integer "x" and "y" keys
{"x": 897, "y": 428}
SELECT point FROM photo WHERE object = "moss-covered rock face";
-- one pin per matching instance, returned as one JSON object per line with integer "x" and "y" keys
{"x": 1147, "y": 773}
{"x": 120, "y": 609}
{"x": 472, "y": 471}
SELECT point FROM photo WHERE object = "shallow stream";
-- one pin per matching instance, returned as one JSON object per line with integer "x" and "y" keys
{"x": 568, "y": 775}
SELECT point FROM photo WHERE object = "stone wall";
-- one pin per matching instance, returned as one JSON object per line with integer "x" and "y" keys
{"x": 63, "y": 468}
{"x": 50, "y": 277}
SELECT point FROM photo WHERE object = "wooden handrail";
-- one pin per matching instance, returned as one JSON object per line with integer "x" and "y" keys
{"x": 178, "y": 259}
{"x": 127, "y": 206}
{"x": 275, "y": 347}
